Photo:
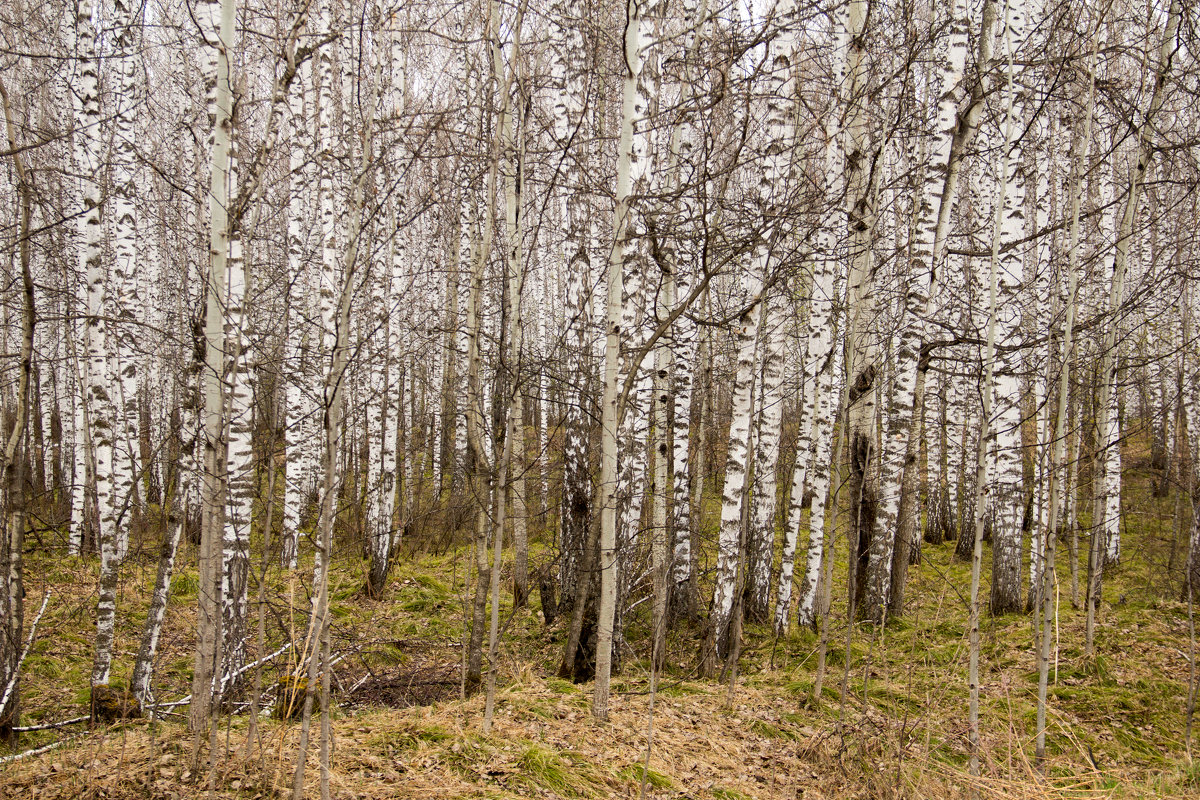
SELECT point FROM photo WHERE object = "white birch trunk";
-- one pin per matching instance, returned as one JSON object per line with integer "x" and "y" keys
{"x": 760, "y": 537}
{"x": 1079, "y": 156}
{"x": 780, "y": 133}
{"x": 296, "y": 410}
{"x": 383, "y": 416}
{"x": 329, "y": 275}
{"x": 239, "y": 465}
{"x": 336, "y": 316}
{"x": 635, "y": 247}
{"x": 125, "y": 272}
{"x": 633, "y": 105}
{"x": 729, "y": 536}
{"x": 816, "y": 419}
{"x": 1108, "y": 460}
{"x": 99, "y": 401}
{"x": 863, "y": 372}
{"x": 1039, "y": 274}
{"x": 216, "y": 25}
{"x": 934, "y": 206}
{"x": 86, "y": 157}
{"x": 1008, "y": 491}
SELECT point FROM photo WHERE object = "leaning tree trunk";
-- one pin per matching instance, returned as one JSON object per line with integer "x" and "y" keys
{"x": 143, "y": 666}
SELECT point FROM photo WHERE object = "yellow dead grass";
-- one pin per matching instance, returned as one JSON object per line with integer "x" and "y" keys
{"x": 544, "y": 744}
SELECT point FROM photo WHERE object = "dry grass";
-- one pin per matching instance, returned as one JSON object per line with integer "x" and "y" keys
{"x": 1116, "y": 725}
{"x": 545, "y": 744}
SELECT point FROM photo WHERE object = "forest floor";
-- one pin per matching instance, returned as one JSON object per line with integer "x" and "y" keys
{"x": 891, "y": 722}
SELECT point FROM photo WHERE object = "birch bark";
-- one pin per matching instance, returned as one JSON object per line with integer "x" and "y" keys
{"x": 862, "y": 371}
{"x": 338, "y": 282}
{"x": 1080, "y": 147}
{"x": 760, "y": 537}
{"x": 1008, "y": 491}
{"x": 296, "y": 409}
{"x": 816, "y": 419}
{"x": 934, "y": 206}
{"x": 771, "y": 188}
{"x": 633, "y": 104}
{"x": 93, "y": 414}
{"x": 216, "y": 26}
{"x": 1107, "y": 463}
{"x": 13, "y": 457}
{"x": 125, "y": 271}
{"x": 239, "y": 466}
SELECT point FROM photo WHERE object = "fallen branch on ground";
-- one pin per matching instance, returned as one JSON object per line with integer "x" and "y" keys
{"x": 47, "y": 726}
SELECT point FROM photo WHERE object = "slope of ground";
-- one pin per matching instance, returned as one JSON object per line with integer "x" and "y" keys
{"x": 544, "y": 744}
{"x": 892, "y": 721}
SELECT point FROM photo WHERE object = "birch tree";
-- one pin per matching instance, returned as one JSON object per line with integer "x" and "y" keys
{"x": 296, "y": 409}
{"x": 216, "y": 20}
{"x": 1106, "y": 542}
{"x": 953, "y": 132}
{"x": 761, "y": 533}
{"x": 570, "y": 85}
{"x": 125, "y": 271}
{"x": 1080, "y": 147}
{"x": 775, "y": 167}
{"x": 816, "y": 420}
{"x": 116, "y": 464}
{"x": 336, "y": 305}
{"x": 1008, "y": 492}
{"x": 13, "y": 499}
{"x": 862, "y": 370}
{"x": 635, "y": 98}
